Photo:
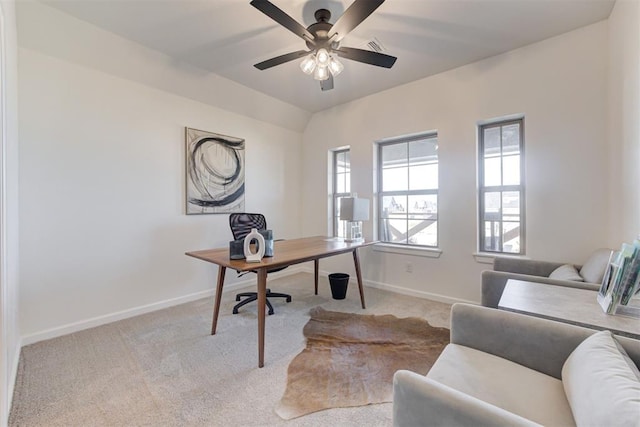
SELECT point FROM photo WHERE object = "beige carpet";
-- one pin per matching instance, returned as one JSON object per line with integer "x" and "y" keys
{"x": 164, "y": 369}
{"x": 350, "y": 359}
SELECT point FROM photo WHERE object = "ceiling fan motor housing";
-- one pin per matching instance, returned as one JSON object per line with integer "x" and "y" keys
{"x": 320, "y": 30}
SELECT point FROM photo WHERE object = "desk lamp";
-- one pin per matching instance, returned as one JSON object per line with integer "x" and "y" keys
{"x": 354, "y": 211}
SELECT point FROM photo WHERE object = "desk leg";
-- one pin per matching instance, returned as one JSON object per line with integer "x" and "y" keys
{"x": 316, "y": 265}
{"x": 216, "y": 307}
{"x": 262, "y": 300}
{"x": 356, "y": 261}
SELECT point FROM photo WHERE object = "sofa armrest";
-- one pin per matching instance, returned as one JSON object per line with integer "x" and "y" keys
{"x": 539, "y": 344}
{"x": 421, "y": 401}
{"x": 494, "y": 282}
{"x": 525, "y": 266}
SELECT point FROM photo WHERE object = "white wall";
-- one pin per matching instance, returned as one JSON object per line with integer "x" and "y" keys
{"x": 624, "y": 118}
{"x": 45, "y": 29}
{"x": 560, "y": 85}
{"x": 103, "y": 228}
{"x": 9, "y": 279}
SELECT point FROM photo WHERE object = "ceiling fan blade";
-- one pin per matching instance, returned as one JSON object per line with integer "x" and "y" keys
{"x": 352, "y": 17}
{"x": 273, "y": 12}
{"x": 367, "y": 56}
{"x": 280, "y": 59}
{"x": 327, "y": 84}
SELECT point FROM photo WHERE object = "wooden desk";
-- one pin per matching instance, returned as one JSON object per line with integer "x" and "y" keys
{"x": 286, "y": 252}
{"x": 569, "y": 305}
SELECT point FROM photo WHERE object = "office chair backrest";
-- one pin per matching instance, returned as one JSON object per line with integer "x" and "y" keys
{"x": 242, "y": 223}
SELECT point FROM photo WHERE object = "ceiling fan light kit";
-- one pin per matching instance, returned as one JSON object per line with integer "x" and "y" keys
{"x": 323, "y": 41}
{"x": 322, "y": 63}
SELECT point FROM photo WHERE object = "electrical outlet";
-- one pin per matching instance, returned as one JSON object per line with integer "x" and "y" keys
{"x": 408, "y": 267}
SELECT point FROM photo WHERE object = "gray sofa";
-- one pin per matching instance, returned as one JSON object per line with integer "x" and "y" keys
{"x": 504, "y": 368}
{"x": 586, "y": 276}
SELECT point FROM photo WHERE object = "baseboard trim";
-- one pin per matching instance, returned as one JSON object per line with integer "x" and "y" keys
{"x": 249, "y": 281}
{"x": 70, "y": 328}
{"x": 13, "y": 376}
{"x": 400, "y": 290}
{"x": 415, "y": 293}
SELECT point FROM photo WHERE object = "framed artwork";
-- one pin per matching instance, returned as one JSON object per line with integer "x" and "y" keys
{"x": 214, "y": 173}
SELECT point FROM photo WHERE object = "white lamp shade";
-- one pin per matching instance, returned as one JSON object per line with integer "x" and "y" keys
{"x": 308, "y": 64}
{"x": 322, "y": 73}
{"x": 354, "y": 209}
{"x": 323, "y": 58}
{"x": 335, "y": 67}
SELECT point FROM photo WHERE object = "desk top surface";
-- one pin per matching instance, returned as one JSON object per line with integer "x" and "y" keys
{"x": 570, "y": 305}
{"x": 285, "y": 252}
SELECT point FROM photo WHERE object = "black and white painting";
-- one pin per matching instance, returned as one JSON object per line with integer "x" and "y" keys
{"x": 215, "y": 173}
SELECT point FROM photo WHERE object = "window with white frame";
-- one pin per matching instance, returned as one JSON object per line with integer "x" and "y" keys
{"x": 341, "y": 187}
{"x": 408, "y": 190}
{"x": 501, "y": 187}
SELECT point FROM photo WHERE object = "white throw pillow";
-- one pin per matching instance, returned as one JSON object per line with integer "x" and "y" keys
{"x": 601, "y": 383}
{"x": 566, "y": 272}
{"x": 593, "y": 269}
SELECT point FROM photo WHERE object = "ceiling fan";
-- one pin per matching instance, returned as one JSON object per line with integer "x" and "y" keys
{"x": 323, "y": 40}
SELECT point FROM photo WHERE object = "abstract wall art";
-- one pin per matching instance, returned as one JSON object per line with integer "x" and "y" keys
{"x": 215, "y": 173}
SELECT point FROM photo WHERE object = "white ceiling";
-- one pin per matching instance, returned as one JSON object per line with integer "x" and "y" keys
{"x": 428, "y": 36}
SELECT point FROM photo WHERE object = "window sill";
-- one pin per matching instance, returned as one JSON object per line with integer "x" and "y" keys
{"x": 412, "y": 251}
{"x": 488, "y": 257}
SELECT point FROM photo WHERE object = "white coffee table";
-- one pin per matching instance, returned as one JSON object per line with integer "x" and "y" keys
{"x": 569, "y": 305}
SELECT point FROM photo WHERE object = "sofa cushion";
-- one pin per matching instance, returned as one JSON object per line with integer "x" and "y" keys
{"x": 566, "y": 272}
{"x": 502, "y": 383}
{"x": 601, "y": 383}
{"x": 593, "y": 270}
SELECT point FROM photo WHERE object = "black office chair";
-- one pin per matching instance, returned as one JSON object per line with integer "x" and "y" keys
{"x": 241, "y": 225}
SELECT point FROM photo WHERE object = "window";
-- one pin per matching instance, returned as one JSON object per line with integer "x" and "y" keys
{"x": 408, "y": 190}
{"x": 341, "y": 187}
{"x": 501, "y": 189}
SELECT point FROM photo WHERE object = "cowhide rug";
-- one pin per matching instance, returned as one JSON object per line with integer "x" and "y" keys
{"x": 350, "y": 360}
